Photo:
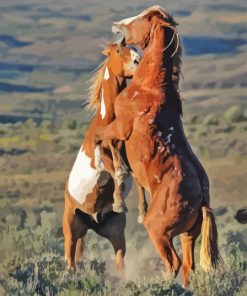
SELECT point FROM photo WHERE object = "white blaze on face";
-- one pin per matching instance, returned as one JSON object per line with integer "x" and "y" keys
{"x": 128, "y": 20}
{"x": 83, "y": 178}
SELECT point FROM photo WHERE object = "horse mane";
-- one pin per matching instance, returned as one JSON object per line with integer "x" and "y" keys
{"x": 94, "y": 87}
{"x": 169, "y": 19}
{"x": 177, "y": 62}
{"x": 176, "y": 53}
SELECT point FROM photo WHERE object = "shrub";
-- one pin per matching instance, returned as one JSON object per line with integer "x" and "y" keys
{"x": 234, "y": 114}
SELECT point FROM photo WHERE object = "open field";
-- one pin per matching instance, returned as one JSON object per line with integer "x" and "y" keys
{"x": 47, "y": 52}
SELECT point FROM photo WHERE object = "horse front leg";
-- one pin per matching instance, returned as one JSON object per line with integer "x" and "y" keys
{"x": 116, "y": 130}
{"x": 119, "y": 129}
{"x": 142, "y": 203}
{"x": 121, "y": 173}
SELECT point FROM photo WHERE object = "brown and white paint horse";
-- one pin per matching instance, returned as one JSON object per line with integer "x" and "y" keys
{"x": 148, "y": 118}
{"x": 89, "y": 191}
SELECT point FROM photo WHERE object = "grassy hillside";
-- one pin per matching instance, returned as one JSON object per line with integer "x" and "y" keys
{"x": 48, "y": 51}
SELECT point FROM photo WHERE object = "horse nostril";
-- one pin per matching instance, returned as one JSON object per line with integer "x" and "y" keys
{"x": 136, "y": 62}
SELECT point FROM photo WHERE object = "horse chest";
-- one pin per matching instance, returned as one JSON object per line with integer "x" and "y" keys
{"x": 83, "y": 178}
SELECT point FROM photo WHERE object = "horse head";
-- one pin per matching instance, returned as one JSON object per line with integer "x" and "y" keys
{"x": 138, "y": 30}
{"x": 142, "y": 30}
{"x": 123, "y": 61}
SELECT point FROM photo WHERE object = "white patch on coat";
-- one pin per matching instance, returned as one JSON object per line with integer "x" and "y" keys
{"x": 161, "y": 149}
{"x": 106, "y": 74}
{"x": 102, "y": 105}
{"x": 168, "y": 139}
{"x": 157, "y": 178}
{"x": 82, "y": 177}
{"x": 135, "y": 94}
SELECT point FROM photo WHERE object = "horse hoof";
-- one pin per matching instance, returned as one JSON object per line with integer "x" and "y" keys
{"x": 80, "y": 268}
{"x": 71, "y": 269}
{"x": 119, "y": 208}
{"x": 95, "y": 217}
{"x": 140, "y": 219}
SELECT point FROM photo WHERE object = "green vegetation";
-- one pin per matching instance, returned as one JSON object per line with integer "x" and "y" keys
{"x": 47, "y": 53}
{"x": 31, "y": 205}
{"x": 34, "y": 265}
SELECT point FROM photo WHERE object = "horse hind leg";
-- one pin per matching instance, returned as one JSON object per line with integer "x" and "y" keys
{"x": 188, "y": 240}
{"x": 73, "y": 230}
{"x": 163, "y": 244}
{"x": 70, "y": 241}
{"x": 79, "y": 252}
{"x": 142, "y": 203}
{"x": 113, "y": 229}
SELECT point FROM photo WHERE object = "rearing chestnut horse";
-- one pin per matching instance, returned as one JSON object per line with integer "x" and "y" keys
{"x": 148, "y": 119}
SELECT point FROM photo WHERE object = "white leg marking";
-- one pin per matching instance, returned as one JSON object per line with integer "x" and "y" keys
{"x": 98, "y": 161}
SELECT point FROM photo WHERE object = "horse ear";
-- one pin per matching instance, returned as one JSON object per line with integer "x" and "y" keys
{"x": 163, "y": 22}
{"x": 106, "y": 52}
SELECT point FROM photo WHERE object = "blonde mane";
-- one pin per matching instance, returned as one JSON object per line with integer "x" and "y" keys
{"x": 94, "y": 87}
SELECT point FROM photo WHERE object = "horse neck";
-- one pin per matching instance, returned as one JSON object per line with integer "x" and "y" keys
{"x": 155, "y": 70}
{"x": 112, "y": 85}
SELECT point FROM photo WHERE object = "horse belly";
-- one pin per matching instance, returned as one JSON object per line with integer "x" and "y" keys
{"x": 83, "y": 178}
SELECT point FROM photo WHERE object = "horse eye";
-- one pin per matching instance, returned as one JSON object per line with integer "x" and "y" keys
{"x": 118, "y": 50}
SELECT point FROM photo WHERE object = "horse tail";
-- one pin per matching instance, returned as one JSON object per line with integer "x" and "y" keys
{"x": 209, "y": 253}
